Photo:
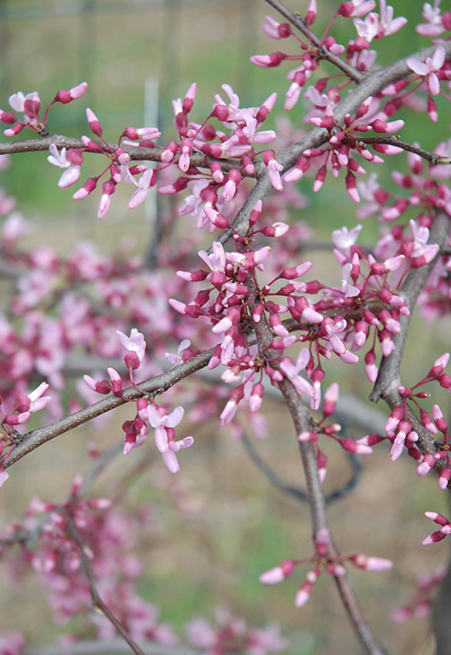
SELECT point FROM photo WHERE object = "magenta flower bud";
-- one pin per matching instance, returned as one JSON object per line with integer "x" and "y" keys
{"x": 439, "y": 420}
{"x": 268, "y": 61}
{"x": 86, "y": 189}
{"x": 103, "y": 387}
{"x": 444, "y": 381}
{"x": 189, "y": 99}
{"x": 433, "y": 538}
{"x": 276, "y": 230}
{"x": 116, "y": 381}
{"x": 371, "y": 440}
{"x": 73, "y": 94}
{"x": 305, "y": 437}
{"x": 330, "y": 399}
{"x": 17, "y": 419}
{"x": 426, "y": 465}
{"x": 373, "y": 564}
{"x": 444, "y": 477}
{"x": 439, "y": 366}
{"x": 437, "y": 518}
{"x": 94, "y": 123}
{"x": 279, "y": 573}
{"x": 381, "y": 127}
{"x": 91, "y": 145}
{"x": 168, "y": 154}
{"x": 255, "y": 400}
{"x": 311, "y": 13}
{"x": 353, "y": 447}
{"x": 216, "y": 172}
{"x": 322, "y": 541}
{"x": 305, "y": 590}
{"x": 8, "y": 117}
{"x": 16, "y": 129}
{"x": 132, "y": 361}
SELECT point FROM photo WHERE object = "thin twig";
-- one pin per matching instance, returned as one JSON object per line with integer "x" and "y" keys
{"x": 388, "y": 379}
{"x": 97, "y": 602}
{"x": 296, "y": 492}
{"x": 303, "y": 422}
{"x": 298, "y": 22}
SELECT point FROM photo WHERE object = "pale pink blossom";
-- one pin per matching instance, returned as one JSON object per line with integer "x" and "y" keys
{"x": 428, "y": 69}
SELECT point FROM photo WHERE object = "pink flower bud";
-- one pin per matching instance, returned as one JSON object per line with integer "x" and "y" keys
{"x": 353, "y": 447}
{"x": 279, "y": 573}
{"x": 322, "y": 541}
{"x": 439, "y": 420}
{"x": 73, "y": 94}
{"x": 426, "y": 465}
{"x": 444, "y": 478}
{"x": 330, "y": 399}
{"x": 305, "y": 590}
{"x": 373, "y": 564}
{"x": 94, "y": 123}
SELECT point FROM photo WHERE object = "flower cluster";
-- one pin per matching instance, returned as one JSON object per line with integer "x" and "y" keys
{"x": 322, "y": 562}
{"x": 426, "y": 585}
{"x": 146, "y": 409}
{"x": 55, "y": 556}
{"x": 400, "y": 431}
{"x": 232, "y": 635}
{"x": 30, "y": 105}
{"x": 358, "y": 53}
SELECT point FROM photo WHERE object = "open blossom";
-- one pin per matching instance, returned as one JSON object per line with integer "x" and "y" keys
{"x": 62, "y": 160}
{"x": 136, "y": 346}
{"x": 435, "y": 24}
{"x": 377, "y": 26}
{"x": 164, "y": 425}
{"x": 146, "y": 181}
{"x": 428, "y": 69}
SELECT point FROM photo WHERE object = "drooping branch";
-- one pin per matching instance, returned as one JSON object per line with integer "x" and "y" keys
{"x": 97, "y": 602}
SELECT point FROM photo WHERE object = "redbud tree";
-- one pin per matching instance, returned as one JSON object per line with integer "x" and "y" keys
{"x": 231, "y": 290}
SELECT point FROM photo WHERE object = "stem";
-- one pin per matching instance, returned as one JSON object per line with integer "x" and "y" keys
{"x": 299, "y": 23}
{"x": 303, "y": 422}
{"x": 388, "y": 379}
{"x": 97, "y": 602}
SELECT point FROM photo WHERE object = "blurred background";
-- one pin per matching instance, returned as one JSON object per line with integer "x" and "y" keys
{"x": 220, "y": 523}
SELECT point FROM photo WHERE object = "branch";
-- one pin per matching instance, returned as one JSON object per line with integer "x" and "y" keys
{"x": 372, "y": 83}
{"x": 396, "y": 141}
{"x": 153, "y": 387}
{"x": 302, "y": 423}
{"x": 136, "y": 153}
{"x": 298, "y": 22}
{"x": 388, "y": 379}
{"x": 97, "y": 602}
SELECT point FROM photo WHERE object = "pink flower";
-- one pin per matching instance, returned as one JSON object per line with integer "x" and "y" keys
{"x": 59, "y": 158}
{"x": 274, "y": 169}
{"x": 73, "y": 94}
{"x": 435, "y": 24}
{"x": 356, "y": 8}
{"x": 146, "y": 181}
{"x": 164, "y": 434}
{"x": 428, "y": 67}
{"x": 136, "y": 346}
